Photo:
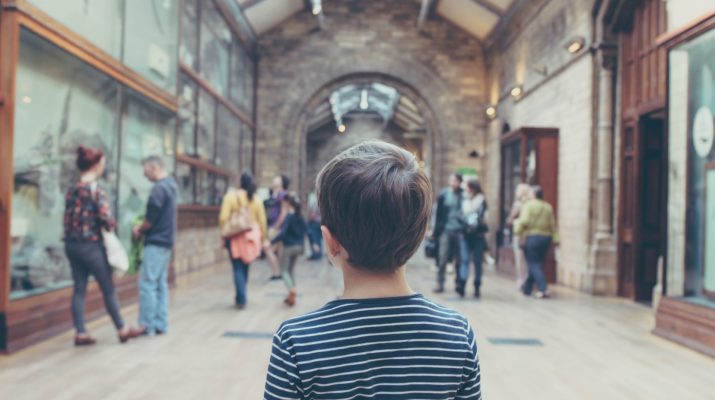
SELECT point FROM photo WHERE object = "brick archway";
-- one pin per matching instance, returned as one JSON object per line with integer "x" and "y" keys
{"x": 411, "y": 79}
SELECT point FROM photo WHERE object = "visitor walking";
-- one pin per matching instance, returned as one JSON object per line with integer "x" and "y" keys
{"x": 537, "y": 224}
{"x": 292, "y": 237}
{"x": 275, "y": 218}
{"x": 473, "y": 240}
{"x": 521, "y": 196}
{"x": 87, "y": 214}
{"x": 159, "y": 232}
{"x": 448, "y": 227}
{"x": 315, "y": 237}
{"x": 242, "y": 210}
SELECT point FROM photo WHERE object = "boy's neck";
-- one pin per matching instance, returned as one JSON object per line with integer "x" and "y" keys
{"x": 365, "y": 285}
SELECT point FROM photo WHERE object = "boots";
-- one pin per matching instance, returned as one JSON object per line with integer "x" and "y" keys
{"x": 290, "y": 300}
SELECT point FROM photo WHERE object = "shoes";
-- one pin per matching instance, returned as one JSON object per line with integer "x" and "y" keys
{"x": 131, "y": 334}
{"x": 275, "y": 278}
{"x": 438, "y": 289}
{"x": 290, "y": 300}
{"x": 542, "y": 295}
{"x": 460, "y": 291}
{"x": 240, "y": 306}
{"x": 84, "y": 341}
{"x": 477, "y": 293}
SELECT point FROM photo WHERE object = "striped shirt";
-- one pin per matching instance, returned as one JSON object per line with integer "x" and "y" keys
{"x": 389, "y": 348}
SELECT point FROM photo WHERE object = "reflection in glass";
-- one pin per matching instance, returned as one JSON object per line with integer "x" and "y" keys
{"x": 204, "y": 188}
{"x": 188, "y": 96}
{"x": 189, "y": 47}
{"x": 98, "y": 21}
{"x": 241, "y": 79}
{"x": 150, "y": 40}
{"x": 228, "y": 139}
{"x": 147, "y": 130}
{"x": 246, "y": 158}
{"x": 215, "y": 45}
{"x": 205, "y": 134}
{"x": 185, "y": 177}
{"x": 60, "y": 103}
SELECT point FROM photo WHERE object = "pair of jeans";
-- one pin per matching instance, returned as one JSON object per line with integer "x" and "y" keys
{"x": 471, "y": 248}
{"x": 288, "y": 259}
{"x": 535, "y": 251}
{"x": 240, "y": 279}
{"x": 154, "y": 288}
{"x": 315, "y": 237}
{"x": 449, "y": 242}
{"x": 90, "y": 258}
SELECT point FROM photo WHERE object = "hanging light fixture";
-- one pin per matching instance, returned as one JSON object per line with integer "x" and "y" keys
{"x": 575, "y": 45}
{"x": 491, "y": 112}
{"x": 516, "y": 91}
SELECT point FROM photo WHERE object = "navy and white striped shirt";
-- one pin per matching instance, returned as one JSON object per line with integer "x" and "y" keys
{"x": 389, "y": 348}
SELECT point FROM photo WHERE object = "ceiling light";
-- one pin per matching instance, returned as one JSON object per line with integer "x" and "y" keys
{"x": 491, "y": 112}
{"x": 516, "y": 91}
{"x": 317, "y": 9}
{"x": 363, "y": 100}
{"x": 575, "y": 45}
{"x": 342, "y": 128}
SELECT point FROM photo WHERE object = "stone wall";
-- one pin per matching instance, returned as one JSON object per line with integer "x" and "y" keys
{"x": 558, "y": 92}
{"x": 442, "y": 65}
{"x": 198, "y": 245}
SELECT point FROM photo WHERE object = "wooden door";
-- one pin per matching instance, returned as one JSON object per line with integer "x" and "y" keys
{"x": 628, "y": 215}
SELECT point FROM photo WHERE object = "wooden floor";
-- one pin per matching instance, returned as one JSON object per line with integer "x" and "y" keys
{"x": 590, "y": 348}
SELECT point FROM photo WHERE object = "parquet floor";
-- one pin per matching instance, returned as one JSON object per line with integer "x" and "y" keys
{"x": 586, "y": 347}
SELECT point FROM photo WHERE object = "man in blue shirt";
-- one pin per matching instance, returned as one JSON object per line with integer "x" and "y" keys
{"x": 159, "y": 231}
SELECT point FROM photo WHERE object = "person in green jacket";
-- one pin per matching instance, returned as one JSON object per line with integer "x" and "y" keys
{"x": 537, "y": 224}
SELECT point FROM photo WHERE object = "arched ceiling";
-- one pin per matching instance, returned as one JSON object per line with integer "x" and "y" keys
{"x": 477, "y": 17}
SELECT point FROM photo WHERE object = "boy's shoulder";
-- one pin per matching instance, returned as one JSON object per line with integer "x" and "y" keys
{"x": 350, "y": 311}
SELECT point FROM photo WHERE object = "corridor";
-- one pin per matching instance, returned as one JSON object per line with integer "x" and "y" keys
{"x": 570, "y": 347}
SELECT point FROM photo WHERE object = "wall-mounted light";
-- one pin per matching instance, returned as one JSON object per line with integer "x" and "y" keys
{"x": 516, "y": 92}
{"x": 576, "y": 44}
{"x": 342, "y": 128}
{"x": 491, "y": 112}
{"x": 317, "y": 7}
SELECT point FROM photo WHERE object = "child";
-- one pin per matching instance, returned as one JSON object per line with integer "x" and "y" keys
{"x": 380, "y": 339}
{"x": 292, "y": 236}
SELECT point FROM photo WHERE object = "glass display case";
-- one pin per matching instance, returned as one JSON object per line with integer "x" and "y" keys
{"x": 531, "y": 156}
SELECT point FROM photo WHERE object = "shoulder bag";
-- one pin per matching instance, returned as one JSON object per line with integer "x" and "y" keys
{"x": 240, "y": 220}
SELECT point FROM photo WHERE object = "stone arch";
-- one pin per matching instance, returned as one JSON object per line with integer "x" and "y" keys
{"x": 412, "y": 79}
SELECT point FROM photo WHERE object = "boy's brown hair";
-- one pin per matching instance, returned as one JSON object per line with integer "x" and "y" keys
{"x": 376, "y": 201}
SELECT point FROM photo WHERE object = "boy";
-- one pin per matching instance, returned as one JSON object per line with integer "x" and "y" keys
{"x": 380, "y": 340}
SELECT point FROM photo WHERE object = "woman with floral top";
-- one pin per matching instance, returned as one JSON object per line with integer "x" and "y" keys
{"x": 87, "y": 213}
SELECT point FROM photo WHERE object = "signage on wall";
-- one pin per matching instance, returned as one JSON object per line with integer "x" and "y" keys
{"x": 703, "y": 132}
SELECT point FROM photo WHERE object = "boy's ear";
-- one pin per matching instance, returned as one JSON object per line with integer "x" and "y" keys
{"x": 331, "y": 243}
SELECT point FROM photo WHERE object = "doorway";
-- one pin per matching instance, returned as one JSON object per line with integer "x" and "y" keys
{"x": 643, "y": 215}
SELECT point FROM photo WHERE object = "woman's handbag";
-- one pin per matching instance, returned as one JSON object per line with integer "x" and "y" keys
{"x": 239, "y": 221}
{"x": 116, "y": 255}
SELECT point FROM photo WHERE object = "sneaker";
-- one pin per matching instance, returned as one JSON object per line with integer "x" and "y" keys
{"x": 460, "y": 291}
{"x": 438, "y": 289}
{"x": 275, "y": 278}
{"x": 477, "y": 293}
{"x": 541, "y": 295}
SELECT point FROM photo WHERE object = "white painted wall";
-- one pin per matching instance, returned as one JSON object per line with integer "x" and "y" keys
{"x": 683, "y": 12}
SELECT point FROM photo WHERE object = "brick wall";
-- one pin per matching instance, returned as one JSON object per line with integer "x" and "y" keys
{"x": 442, "y": 65}
{"x": 558, "y": 92}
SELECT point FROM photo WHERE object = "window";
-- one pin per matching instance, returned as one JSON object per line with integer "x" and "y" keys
{"x": 61, "y": 103}
{"x": 188, "y": 98}
{"x": 189, "y": 48}
{"x": 230, "y": 129}
{"x": 692, "y": 107}
{"x": 149, "y": 28}
{"x": 150, "y": 40}
{"x": 241, "y": 79}
{"x": 186, "y": 178}
{"x": 147, "y": 130}
{"x": 215, "y": 45}
{"x": 205, "y": 130}
{"x": 99, "y": 21}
